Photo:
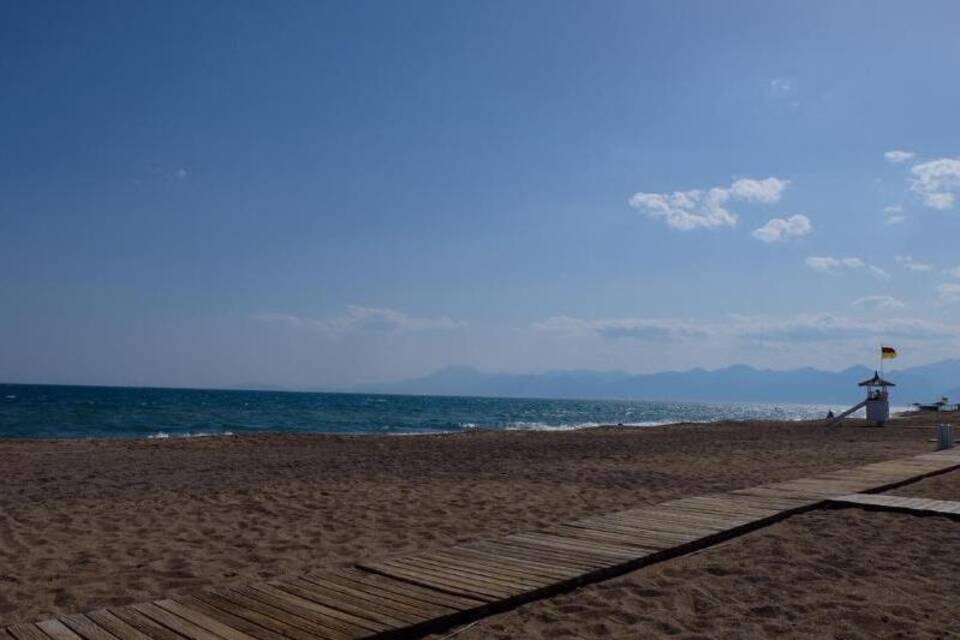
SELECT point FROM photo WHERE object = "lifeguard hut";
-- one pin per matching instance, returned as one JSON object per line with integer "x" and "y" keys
{"x": 878, "y": 399}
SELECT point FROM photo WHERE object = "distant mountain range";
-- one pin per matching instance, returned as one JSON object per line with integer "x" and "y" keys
{"x": 738, "y": 383}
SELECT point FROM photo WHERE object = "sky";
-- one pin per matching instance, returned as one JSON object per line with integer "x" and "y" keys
{"x": 326, "y": 194}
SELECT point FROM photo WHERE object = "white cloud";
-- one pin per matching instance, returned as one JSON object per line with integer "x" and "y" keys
{"x": 893, "y": 213}
{"x": 892, "y": 209}
{"x": 935, "y": 181}
{"x": 767, "y": 191}
{"x": 826, "y": 264}
{"x": 780, "y": 229}
{"x": 912, "y": 264}
{"x": 827, "y": 327}
{"x": 781, "y": 85}
{"x": 699, "y": 209}
{"x": 800, "y": 329}
{"x": 686, "y": 210}
{"x": 955, "y": 272}
{"x": 879, "y": 303}
{"x": 269, "y": 316}
{"x": 898, "y": 155}
{"x": 626, "y": 328}
{"x": 895, "y": 219}
{"x": 364, "y": 319}
{"x": 940, "y": 201}
{"x": 388, "y": 321}
{"x": 949, "y": 292}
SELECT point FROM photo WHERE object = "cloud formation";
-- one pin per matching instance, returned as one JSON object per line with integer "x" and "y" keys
{"x": 878, "y": 303}
{"x": 781, "y": 85}
{"x": 364, "y": 319}
{"x": 827, "y": 264}
{"x": 824, "y": 327}
{"x": 898, "y": 156}
{"x": 781, "y": 229}
{"x": 912, "y": 264}
{"x": 625, "y": 328}
{"x": 699, "y": 209}
{"x": 802, "y": 329}
{"x": 894, "y": 214}
{"x": 949, "y": 292}
{"x": 283, "y": 318}
{"x": 936, "y": 181}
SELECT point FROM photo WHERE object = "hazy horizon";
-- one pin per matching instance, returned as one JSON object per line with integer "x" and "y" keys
{"x": 364, "y": 388}
{"x": 327, "y": 195}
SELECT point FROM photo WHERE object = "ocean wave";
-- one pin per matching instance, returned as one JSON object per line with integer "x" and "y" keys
{"x": 163, "y": 435}
{"x": 542, "y": 426}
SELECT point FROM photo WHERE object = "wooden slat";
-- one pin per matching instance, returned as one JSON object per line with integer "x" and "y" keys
{"x": 27, "y": 632}
{"x": 328, "y": 602}
{"x": 393, "y": 589}
{"x": 492, "y": 567}
{"x": 170, "y": 620}
{"x": 299, "y": 614}
{"x": 331, "y": 612}
{"x": 662, "y": 537}
{"x": 229, "y": 619}
{"x": 477, "y": 592}
{"x": 901, "y": 503}
{"x": 411, "y": 612}
{"x": 87, "y": 628}
{"x": 565, "y": 558}
{"x": 609, "y": 551}
{"x": 271, "y": 618}
{"x": 539, "y": 554}
{"x": 642, "y": 544}
{"x": 560, "y": 568}
{"x": 671, "y": 522}
{"x": 455, "y": 577}
{"x": 116, "y": 626}
{"x": 57, "y": 630}
{"x": 204, "y": 621}
{"x": 537, "y": 569}
{"x": 509, "y": 578}
{"x": 143, "y": 624}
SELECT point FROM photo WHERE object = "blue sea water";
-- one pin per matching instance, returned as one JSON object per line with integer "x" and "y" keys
{"x": 47, "y": 411}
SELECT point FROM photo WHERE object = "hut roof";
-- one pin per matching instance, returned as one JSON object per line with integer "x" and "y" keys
{"x": 876, "y": 381}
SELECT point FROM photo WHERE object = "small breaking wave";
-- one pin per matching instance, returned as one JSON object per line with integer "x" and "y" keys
{"x": 163, "y": 435}
{"x": 542, "y": 426}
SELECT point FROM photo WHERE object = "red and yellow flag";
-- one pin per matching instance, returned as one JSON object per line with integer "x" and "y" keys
{"x": 888, "y": 353}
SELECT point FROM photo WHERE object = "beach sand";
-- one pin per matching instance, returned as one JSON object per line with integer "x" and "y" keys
{"x": 92, "y": 523}
{"x": 845, "y": 573}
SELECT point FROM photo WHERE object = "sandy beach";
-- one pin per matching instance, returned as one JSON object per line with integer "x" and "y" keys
{"x": 91, "y": 523}
{"x": 826, "y": 574}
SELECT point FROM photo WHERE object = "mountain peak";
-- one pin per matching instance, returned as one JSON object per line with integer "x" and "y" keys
{"x": 738, "y": 382}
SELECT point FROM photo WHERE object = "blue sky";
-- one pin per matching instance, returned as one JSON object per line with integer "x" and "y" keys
{"x": 325, "y": 194}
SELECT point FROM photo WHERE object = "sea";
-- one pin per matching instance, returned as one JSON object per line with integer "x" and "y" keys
{"x": 53, "y": 411}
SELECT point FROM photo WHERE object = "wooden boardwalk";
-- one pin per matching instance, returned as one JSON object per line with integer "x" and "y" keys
{"x": 900, "y": 503}
{"x": 411, "y": 595}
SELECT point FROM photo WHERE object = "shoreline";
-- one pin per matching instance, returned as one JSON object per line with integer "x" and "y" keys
{"x": 78, "y": 412}
{"x": 903, "y": 418}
